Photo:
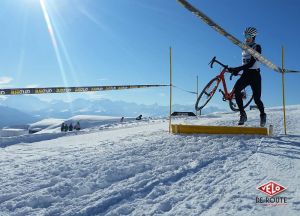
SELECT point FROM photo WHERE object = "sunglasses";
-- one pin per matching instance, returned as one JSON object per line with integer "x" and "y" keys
{"x": 248, "y": 36}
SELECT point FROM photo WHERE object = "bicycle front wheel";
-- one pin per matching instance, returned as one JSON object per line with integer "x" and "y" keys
{"x": 207, "y": 93}
{"x": 247, "y": 96}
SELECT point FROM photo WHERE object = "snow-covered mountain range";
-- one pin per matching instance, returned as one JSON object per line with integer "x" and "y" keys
{"x": 38, "y": 109}
{"x": 14, "y": 117}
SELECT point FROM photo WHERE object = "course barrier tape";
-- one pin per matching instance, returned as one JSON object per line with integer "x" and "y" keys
{"x": 50, "y": 90}
{"x": 184, "y": 90}
{"x": 233, "y": 39}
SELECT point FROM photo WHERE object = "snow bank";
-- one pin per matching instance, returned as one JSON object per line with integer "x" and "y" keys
{"x": 50, "y": 128}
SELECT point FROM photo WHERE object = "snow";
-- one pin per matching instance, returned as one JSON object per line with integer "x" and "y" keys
{"x": 87, "y": 121}
{"x": 11, "y": 132}
{"x": 50, "y": 128}
{"x": 138, "y": 168}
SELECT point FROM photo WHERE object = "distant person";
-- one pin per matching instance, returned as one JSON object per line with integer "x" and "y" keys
{"x": 77, "y": 126}
{"x": 66, "y": 127}
{"x": 62, "y": 127}
{"x": 139, "y": 117}
{"x": 122, "y": 119}
{"x": 71, "y": 127}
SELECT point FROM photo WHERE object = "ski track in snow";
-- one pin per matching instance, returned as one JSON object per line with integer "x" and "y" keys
{"x": 141, "y": 169}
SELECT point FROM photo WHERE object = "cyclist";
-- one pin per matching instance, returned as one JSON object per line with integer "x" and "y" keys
{"x": 251, "y": 76}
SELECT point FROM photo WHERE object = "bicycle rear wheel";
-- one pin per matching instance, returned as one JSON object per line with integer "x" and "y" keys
{"x": 247, "y": 98}
{"x": 207, "y": 93}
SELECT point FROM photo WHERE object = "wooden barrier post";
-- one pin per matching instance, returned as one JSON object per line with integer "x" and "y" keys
{"x": 197, "y": 93}
{"x": 170, "y": 120}
{"x": 283, "y": 92}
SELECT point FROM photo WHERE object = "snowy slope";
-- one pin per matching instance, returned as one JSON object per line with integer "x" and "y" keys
{"x": 86, "y": 122}
{"x": 141, "y": 169}
{"x": 51, "y": 128}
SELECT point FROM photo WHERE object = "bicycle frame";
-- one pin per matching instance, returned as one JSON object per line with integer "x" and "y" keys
{"x": 221, "y": 78}
{"x": 227, "y": 96}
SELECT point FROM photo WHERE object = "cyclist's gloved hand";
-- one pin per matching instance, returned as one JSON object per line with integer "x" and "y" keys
{"x": 234, "y": 71}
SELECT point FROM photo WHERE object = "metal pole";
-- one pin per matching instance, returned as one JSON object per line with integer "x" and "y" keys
{"x": 283, "y": 92}
{"x": 170, "y": 120}
{"x": 197, "y": 93}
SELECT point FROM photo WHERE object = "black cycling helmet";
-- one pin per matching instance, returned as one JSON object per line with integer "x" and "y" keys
{"x": 250, "y": 31}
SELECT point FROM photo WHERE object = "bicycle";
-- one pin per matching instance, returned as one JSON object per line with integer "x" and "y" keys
{"x": 211, "y": 87}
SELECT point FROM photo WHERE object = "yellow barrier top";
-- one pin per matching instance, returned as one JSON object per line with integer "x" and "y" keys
{"x": 205, "y": 129}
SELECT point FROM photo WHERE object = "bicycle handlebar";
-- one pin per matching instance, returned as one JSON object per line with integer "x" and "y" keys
{"x": 211, "y": 63}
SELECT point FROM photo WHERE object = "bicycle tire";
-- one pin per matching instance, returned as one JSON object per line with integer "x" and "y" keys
{"x": 247, "y": 98}
{"x": 213, "y": 83}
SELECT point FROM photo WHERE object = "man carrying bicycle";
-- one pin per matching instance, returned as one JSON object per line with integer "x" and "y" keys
{"x": 251, "y": 76}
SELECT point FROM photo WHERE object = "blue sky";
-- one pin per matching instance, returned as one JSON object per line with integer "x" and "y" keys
{"x": 116, "y": 42}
